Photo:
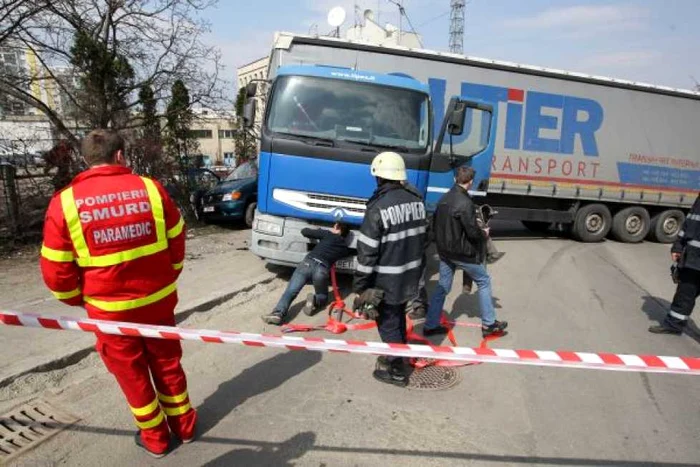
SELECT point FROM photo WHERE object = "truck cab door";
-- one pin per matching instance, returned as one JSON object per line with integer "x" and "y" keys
{"x": 466, "y": 138}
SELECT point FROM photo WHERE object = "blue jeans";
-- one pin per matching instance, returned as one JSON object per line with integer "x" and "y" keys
{"x": 308, "y": 270}
{"x": 447, "y": 272}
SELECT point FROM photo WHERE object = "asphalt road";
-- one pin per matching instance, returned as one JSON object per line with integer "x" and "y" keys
{"x": 266, "y": 407}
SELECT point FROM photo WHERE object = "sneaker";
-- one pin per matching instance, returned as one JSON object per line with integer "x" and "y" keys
{"x": 490, "y": 259}
{"x": 139, "y": 443}
{"x": 496, "y": 328}
{"x": 275, "y": 318}
{"x": 665, "y": 329}
{"x": 440, "y": 330}
{"x": 395, "y": 374}
{"x": 310, "y": 305}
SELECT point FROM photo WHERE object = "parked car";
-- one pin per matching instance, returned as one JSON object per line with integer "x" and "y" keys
{"x": 201, "y": 180}
{"x": 235, "y": 197}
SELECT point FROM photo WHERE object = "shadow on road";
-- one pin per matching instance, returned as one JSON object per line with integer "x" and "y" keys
{"x": 261, "y": 377}
{"x": 656, "y": 309}
{"x": 275, "y": 454}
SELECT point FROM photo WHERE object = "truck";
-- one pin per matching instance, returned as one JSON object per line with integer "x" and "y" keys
{"x": 596, "y": 155}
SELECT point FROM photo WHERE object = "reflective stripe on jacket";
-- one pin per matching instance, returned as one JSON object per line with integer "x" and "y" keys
{"x": 113, "y": 241}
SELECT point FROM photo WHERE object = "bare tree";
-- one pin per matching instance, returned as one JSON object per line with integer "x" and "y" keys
{"x": 115, "y": 48}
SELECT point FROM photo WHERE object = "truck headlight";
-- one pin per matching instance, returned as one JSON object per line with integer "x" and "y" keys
{"x": 269, "y": 228}
{"x": 233, "y": 196}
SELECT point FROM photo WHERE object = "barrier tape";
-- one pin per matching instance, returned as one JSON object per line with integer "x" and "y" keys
{"x": 566, "y": 359}
{"x": 337, "y": 326}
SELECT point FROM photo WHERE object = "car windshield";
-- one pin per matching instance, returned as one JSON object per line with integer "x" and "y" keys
{"x": 348, "y": 111}
{"x": 245, "y": 170}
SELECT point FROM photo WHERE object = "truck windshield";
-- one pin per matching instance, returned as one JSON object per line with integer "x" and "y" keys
{"x": 350, "y": 112}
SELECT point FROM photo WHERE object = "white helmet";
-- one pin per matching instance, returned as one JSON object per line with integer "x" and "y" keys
{"x": 389, "y": 166}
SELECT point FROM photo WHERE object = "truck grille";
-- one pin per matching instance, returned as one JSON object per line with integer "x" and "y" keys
{"x": 321, "y": 203}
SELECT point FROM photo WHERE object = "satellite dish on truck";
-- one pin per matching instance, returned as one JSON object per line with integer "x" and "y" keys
{"x": 336, "y": 17}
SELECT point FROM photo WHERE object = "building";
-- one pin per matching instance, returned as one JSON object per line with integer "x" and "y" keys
{"x": 215, "y": 133}
{"x": 19, "y": 63}
{"x": 371, "y": 32}
{"x": 256, "y": 70}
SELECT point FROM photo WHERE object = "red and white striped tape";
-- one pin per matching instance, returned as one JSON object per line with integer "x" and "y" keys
{"x": 567, "y": 359}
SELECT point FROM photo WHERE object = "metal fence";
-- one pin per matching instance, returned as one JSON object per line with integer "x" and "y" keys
{"x": 24, "y": 195}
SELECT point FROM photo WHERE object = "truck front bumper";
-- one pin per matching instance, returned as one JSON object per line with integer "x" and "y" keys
{"x": 278, "y": 240}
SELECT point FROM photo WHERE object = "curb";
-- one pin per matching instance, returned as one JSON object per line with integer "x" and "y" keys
{"x": 200, "y": 306}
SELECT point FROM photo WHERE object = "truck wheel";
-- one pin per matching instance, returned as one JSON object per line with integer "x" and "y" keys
{"x": 250, "y": 214}
{"x": 592, "y": 223}
{"x": 631, "y": 225}
{"x": 666, "y": 225}
{"x": 536, "y": 226}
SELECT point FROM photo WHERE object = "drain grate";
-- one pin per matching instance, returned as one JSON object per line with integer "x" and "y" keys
{"x": 433, "y": 377}
{"x": 29, "y": 425}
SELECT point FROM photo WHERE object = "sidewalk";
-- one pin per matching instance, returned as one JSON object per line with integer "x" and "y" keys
{"x": 217, "y": 267}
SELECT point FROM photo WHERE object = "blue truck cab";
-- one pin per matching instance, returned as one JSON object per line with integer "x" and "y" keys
{"x": 321, "y": 129}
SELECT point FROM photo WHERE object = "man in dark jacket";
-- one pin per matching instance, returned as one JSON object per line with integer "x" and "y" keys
{"x": 390, "y": 249}
{"x": 316, "y": 269}
{"x": 461, "y": 243}
{"x": 685, "y": 252}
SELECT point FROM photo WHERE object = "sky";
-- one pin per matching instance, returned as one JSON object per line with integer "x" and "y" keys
{"x": 652, "y": 41}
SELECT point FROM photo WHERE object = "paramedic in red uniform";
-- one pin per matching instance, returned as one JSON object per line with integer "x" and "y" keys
{"x": 114, "y": 243}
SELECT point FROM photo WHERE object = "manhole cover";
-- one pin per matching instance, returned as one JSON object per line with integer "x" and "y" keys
{"x": 26, "y": 426}
{"x": 433, "y": 377}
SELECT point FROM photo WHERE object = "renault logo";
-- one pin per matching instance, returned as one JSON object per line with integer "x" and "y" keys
{"x": 338, "y": 213}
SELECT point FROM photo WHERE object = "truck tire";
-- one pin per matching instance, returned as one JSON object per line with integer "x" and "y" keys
{"x": 666, "y": 225}
{"x": 536, "y": 226}
{"x": 250, "y": 214}
{"x": 592, "y": 223}
{"x": 631, "y": 225}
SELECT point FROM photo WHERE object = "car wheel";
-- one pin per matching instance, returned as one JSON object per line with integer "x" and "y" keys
{"x": 250, "y": 214}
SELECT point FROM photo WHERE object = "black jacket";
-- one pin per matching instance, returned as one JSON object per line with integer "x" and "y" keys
{"x": 331, "y": 247}
{"x": 688, "y": 242}
{"x": 391, "y": 243}
{"x": 456, "y": 233}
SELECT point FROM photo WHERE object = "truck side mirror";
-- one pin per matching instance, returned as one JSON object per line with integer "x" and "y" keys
{"x": 249, "y": 113}
{"x": 251, "y": 90}
{"x": 456, "y": 124}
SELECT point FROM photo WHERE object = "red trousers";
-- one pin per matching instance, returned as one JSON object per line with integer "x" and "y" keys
{"x": 140, "y": 363}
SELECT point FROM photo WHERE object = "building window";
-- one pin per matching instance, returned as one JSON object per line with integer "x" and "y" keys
{"x": 226, "y": 134}
{"x": 229, "y": 159}
{"x": 201, "y": 134}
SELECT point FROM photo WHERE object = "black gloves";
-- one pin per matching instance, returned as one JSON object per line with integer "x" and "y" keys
{"x": 367, "y": 303}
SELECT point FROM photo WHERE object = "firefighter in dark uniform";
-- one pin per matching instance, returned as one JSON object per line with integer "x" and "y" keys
{"x": 685, "y": 253}
{"x": 390, "y": 250}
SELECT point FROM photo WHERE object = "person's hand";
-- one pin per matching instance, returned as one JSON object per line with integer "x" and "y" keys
{"x": 487, "y": 231}
{"x": 675, "y": 257}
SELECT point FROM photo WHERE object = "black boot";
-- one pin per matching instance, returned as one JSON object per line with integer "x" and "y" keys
{"x": 665, "y": 329}
{"x": 392, "y": 373}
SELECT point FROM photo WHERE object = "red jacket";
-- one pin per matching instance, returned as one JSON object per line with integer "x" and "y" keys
{"x": 114, "y": 243}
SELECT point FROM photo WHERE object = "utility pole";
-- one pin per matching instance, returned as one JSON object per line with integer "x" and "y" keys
{"x": 457, "y": 26}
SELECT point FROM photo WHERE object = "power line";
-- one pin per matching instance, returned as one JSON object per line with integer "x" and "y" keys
{"x": 402, "y": 12}
{"x": 435, "y": 18}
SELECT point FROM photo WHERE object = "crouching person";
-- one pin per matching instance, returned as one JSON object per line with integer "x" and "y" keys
{"x": 315, "y": 268}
